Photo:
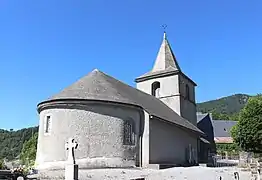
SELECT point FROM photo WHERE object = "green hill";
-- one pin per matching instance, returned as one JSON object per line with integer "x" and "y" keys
{"x": 226, "y": 108}
{"x": 11, "y": 142}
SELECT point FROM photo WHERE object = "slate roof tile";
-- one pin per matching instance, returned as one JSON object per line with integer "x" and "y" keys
{"x": 222, "y": 127}
{"x": 100, "y": 86}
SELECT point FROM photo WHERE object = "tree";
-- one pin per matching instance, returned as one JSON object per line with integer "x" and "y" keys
{"x": 248, "y": 131}
{"x": 229, "y": 147}
{"x": 1, "y": 164}
{"x": 222, "y": 116}
{"x": 28, "y": 153}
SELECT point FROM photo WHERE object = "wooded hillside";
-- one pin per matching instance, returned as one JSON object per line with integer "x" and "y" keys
{"x": 226, "y": 108}
{"x": 11, "y": 142}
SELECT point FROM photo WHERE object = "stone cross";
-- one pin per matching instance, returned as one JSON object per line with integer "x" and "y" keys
{"x": 70, "y": 146}
{"x": 71, "y": 168}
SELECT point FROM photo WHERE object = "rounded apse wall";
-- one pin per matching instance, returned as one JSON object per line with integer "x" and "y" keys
{"x": 99, "y": 128}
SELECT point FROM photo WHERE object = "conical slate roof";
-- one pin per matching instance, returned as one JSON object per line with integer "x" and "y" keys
{"x": 100, "y": 86}
{"x": 165, "y": 57}
{"x": 165, "y": 64}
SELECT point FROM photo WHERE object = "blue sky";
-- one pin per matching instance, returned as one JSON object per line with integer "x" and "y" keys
{"x": 47, "y": 45}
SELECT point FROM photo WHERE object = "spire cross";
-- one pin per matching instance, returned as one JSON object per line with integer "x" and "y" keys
{"x": 164, "y": 26}
{"x": 71, "y": 145}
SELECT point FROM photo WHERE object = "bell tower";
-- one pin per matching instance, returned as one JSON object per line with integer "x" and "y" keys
{"x": 167, "y": 82}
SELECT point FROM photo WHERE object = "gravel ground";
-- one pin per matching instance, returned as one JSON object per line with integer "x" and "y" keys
{"x": 192, "y": 173}
{"x": 178, "y": 173}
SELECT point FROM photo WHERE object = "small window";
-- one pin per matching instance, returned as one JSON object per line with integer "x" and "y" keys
{"x": 129, "y": 134}
{"x": 155, "y": 89}
{"x": 187, "y": 92}
{"x": 47, "y": 124}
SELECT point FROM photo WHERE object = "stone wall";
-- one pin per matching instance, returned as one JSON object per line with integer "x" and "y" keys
{"x": 169, "y": 144}
{"x": 168, "y": 93}
{"x": 173, "y": 93}
{"x": 98, "y": 129}
{"x": 188, "y": 105}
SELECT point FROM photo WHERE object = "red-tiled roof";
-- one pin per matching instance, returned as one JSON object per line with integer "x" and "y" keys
{"x": 223, "y": 140}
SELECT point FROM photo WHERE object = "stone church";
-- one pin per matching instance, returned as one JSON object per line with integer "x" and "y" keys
{"x": 117, "y": 125}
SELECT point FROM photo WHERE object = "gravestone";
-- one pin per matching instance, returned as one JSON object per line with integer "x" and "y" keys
{"x": 258, "y": 170}
{"x": 254, "y": 171}
{"x": 226, "y": 154}
{"x": 236, "y": 175}
{"x": 20, "y": 178}
{"x": 260, "y": 167}
{"x": 243, "y": 158}
{"x": 71, "y": 168}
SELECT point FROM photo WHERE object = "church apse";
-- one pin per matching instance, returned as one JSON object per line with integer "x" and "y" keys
{"x": 107, "y": 133}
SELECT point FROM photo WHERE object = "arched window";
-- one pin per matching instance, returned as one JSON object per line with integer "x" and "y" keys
{"x": 187, "y": 92}
{"x": 129, "y": 132}
{"x": 155, "y": 88}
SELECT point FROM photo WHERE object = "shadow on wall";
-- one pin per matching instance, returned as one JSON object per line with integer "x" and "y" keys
{"x": 89, "y": 106}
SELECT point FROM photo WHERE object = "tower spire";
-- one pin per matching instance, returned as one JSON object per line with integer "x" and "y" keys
{"x": 165, "y": 57}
